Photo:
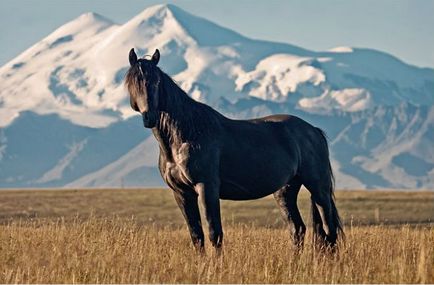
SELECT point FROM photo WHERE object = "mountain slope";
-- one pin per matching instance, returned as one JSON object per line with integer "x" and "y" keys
{"x": 65, "y": 117}
{"x": 46, "y": 150}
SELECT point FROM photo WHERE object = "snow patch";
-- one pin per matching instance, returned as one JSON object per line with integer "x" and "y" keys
{"x": 276, "y": 76}
{"x": 143, "y": 155}
{"x": 341, "y": 49}
{"x": 57, "y": 171}
{"x": 350, "y": 100}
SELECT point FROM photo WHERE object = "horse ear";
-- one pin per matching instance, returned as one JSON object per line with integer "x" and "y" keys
{"x": 133, "y": 57}
{"x": 156, "y": 57}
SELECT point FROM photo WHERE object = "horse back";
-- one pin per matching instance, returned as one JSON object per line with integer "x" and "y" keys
{"x": 282, "y": 144}
{"x": 259, "y": 156}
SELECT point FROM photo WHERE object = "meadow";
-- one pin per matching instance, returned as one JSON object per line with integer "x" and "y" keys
{"x": 139, "y": 236}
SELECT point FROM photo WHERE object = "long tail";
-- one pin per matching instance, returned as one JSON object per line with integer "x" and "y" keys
{"x": 336, "y": 218}
{"x": 316, "y": 217}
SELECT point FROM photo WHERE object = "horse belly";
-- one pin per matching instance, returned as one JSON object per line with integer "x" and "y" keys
{"x": 253, "y": 181}
{"x": 231, "y": 191}
{"x": 256, "y": 161}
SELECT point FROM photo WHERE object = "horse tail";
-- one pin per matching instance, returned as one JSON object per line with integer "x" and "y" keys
{"x": 336, "y": 218}
{"x": 335, "y": 215}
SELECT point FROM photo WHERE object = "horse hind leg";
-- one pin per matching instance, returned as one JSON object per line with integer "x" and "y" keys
{"x": 286, "y": 199}
{"x": 323, "y": 214}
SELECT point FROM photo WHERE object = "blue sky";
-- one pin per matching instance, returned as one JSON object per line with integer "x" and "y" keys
{"x": 402, "y": 28}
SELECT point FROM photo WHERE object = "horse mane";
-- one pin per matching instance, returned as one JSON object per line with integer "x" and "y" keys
{"x": 181, "y": 116}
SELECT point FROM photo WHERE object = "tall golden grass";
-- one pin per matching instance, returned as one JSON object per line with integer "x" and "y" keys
{"x": 122, "y": 251}
{"x": 139, "y": 237}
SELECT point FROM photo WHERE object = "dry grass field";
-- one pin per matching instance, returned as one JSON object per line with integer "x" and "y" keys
{"x": 138, "y": 236}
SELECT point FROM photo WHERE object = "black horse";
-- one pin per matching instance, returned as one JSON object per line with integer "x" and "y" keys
{"x": 205, "y": 155}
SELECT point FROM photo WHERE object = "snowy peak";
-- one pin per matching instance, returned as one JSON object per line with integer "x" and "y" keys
{"x": 87, "y": 22}
{"x": 154, "y": 26}
{"x": 164, "y": 18}
{"x": 160, "y": 24}
{"x": 203, "y": 31}
{"x": 86, "y": 25}
{"x": 54, "y": 71}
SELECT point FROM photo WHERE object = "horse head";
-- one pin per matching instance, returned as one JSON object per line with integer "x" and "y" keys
{"x": 142, "y": 81}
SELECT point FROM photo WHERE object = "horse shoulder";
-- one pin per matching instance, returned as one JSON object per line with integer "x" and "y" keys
{"x": 191, "y": 163}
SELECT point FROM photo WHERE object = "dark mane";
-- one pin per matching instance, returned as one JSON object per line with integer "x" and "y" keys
{"x": 134, "y": 83}
{"x": 181, "y": 115}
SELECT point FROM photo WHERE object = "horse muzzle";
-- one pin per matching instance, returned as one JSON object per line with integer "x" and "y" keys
{"x": 149, "y": 119}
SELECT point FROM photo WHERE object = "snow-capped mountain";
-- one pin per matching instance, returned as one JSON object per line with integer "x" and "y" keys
{"x": 65, "y": 117}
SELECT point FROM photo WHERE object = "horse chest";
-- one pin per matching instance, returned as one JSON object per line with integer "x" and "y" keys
{"x": 176, "y": 176}
{"x": 175, "y": 172}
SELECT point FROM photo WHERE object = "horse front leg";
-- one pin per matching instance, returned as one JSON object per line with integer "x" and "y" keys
{"x": 187, "y": 202}
{"x": 209, "y": 195}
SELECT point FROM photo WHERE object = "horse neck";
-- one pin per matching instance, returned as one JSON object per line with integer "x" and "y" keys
{"x": 179, "y": 118}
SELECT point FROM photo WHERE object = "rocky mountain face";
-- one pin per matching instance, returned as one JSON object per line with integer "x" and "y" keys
{"x": 65, "y": 118}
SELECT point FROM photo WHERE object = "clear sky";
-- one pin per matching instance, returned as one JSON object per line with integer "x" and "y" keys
{"x": 404, "y": 28}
